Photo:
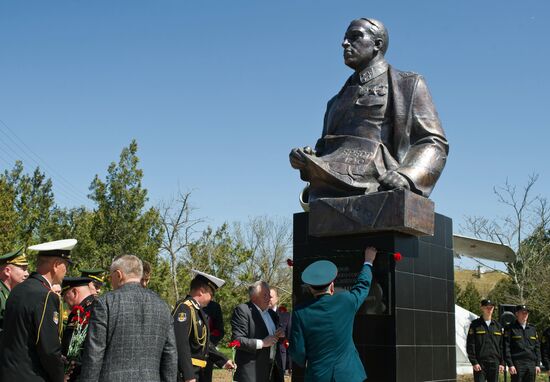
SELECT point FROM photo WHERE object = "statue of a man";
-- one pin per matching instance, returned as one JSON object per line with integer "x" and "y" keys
{"x": 381, "y": 131}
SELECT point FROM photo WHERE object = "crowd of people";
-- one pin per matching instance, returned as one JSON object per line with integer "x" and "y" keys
{"x": 128, "y": 333}
{"x": 491, "y": 346}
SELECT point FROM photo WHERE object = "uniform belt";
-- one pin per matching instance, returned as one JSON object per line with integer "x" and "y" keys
{"x": 198, "y": 362}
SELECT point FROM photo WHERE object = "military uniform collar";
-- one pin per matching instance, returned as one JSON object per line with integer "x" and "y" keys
{"x": 87, "y": 301}
{"x": 41, "y": 278}
{"x": 195, "y": 304}
{"x": 373, "y": 71}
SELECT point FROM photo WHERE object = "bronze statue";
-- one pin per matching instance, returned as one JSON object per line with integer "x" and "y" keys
{"x": 381, "y": 131}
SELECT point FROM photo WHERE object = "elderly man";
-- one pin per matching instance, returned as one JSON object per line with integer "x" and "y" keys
{"x": 381, "y": 131}
{"x": 79, "y": 295}
{"x": 130, "y": 334}
{"x": 322, "y": 331}
{"x": 13, "y": 271}
{"x": 484, "y": 345}
{"x": 522, "y": 347}
{"x": 256, "y": 327}
{"x": 31, "y": 346}
{"x": 284, "y": 323}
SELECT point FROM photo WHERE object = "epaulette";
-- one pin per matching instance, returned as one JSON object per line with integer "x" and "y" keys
{"x": 407, "y": 74}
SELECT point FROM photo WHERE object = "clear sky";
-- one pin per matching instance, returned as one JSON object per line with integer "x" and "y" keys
{"x": 218, "y": 92}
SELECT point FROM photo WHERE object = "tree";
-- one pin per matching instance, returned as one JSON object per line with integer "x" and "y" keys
{"x": 526, "y": 230}
{"x": 179, "y": 230}
{"x": 8, "y": 217}
{"x": 469, "y": 298}
{"x": 121, "y": 224}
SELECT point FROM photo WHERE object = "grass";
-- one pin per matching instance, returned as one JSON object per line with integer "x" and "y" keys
{"x": 543, "y": 377}
{"x": 483, "y": 284}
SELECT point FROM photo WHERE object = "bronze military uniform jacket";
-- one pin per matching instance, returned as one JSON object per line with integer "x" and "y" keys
{"x": 417, "y": 144}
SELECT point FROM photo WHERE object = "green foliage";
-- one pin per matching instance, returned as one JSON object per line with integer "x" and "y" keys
{"x": 8, "y": 217}
{"x": 469, "y": 298}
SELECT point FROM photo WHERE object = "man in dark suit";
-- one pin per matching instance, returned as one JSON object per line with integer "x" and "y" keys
{"x": 33, "y": 322}
{"x": 285, "y": 324}
{"x": 130, "y": 334}
{"x": 255, "y": 326}
{"x": 322, "y": 330}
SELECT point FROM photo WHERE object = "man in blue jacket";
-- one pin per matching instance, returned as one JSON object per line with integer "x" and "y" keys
{"x": 322, "y": 330}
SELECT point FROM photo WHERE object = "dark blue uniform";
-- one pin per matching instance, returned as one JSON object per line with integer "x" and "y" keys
{"x": 484, "y": 345}
{"x": 522, "y": 350}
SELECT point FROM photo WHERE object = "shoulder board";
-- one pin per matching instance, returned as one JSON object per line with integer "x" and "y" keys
{"x": 407, "y": 74}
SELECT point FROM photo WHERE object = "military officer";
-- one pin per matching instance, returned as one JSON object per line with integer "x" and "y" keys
{"x": 13, "y": 271}
{"x": 98, "y": 279}
{"x": 484, "y": 345}
{"x": 327, "y": 350}
{"x": 33, "y": 319}
{"x": 78, "y": 295}
{"x": 522, "y": 347}
{"x": 192, "y": 332}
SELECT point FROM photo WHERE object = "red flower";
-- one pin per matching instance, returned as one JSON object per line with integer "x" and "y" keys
{"x": 397, "y": 256}
{"x": 289, "y": 262}
{"x": 235, "y": 344}
{"x": 283, "y": 309}
{"x": 286, "y": 344}
{"x": 76, "y": 309}
{"x": 215, "y": 333}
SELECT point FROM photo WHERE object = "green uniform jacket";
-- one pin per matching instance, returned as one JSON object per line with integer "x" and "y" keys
{"x": 4, "y": 293}
{"x": 322, "y": 334}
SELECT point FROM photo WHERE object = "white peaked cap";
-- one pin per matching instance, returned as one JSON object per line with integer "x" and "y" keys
{"x": 61, "y": 245}
{"x": 212, "y": 279}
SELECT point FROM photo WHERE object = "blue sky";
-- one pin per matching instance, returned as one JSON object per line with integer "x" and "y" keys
{"x": 217, "y": 93}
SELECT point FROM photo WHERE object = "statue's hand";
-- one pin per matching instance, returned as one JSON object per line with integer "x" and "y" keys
{"x": 392, "y": 180}
{"x": 297, "y": 157}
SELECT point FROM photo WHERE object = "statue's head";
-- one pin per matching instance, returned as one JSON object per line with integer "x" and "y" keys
{"x": 365, "y": 39}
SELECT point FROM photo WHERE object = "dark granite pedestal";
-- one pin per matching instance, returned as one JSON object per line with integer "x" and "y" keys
{"x": 405, "y": 332}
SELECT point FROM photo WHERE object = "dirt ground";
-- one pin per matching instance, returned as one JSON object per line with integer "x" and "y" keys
{"x": 225, "y": 376}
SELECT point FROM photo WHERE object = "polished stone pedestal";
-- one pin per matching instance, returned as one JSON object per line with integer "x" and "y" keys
{"x": 405, "y": 331}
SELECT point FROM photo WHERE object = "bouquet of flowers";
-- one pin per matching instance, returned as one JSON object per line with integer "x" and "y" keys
{"x": 80, "y": 322}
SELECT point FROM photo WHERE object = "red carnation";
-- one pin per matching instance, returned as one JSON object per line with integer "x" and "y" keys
{"x": 289, "y": 262}
{"x": 397, "y": 256}
{"x": 235, "y": 344}
{"x": 215, "y": 333}
{"x": 286, "y": 344}
{"x": 283, "y": 309}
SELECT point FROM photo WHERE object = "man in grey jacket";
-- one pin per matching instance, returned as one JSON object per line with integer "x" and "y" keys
{"x": 131, "y": 334}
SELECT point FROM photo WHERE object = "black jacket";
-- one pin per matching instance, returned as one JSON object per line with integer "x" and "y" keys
{"x": 484, "y": 344}
{"x": 31, "y": 347}
{"x": 545, "y": 348}
{"x": 192, "y": 339}
{"x": 521, "y": 346}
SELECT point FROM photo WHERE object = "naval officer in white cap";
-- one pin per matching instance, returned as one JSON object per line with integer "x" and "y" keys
{"x": 31, "y": 347}
{"x": 192, "y": 331}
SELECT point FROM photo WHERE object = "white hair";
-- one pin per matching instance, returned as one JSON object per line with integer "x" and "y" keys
{"x": 130, "y": 265}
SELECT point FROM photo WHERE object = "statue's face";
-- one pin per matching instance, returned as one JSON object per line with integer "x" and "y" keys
{"x": 359, "y": 46}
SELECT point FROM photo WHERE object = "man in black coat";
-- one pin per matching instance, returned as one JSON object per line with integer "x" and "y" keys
{"x": 31, "y": 347}
{"x": 257, "y": 329}
{"x": 522, "y": 348}
{"x": 484, "y": 345}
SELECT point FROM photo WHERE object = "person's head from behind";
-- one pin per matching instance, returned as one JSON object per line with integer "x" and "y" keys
{"x": 259, "y": 294}
{"x": 146, "y": 274}
{"x": 125, "y": 269}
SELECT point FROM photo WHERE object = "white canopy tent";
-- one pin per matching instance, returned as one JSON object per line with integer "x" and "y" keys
{"x": 463, "y": 318}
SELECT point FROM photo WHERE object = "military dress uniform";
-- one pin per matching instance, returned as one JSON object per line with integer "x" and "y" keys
{"x": 16, "y": 258}
{"x": 522, "y": 350}
{"x": 31, "y": 348}
{"x": 484, "y": 346}
{"x": 87, "y": 304}
{"x": 192, "y": 340}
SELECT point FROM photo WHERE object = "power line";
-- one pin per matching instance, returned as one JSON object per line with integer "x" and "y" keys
{"x": 67, "y": 189}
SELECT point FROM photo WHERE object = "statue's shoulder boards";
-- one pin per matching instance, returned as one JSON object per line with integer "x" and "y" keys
{"x": 407, "y": 74}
